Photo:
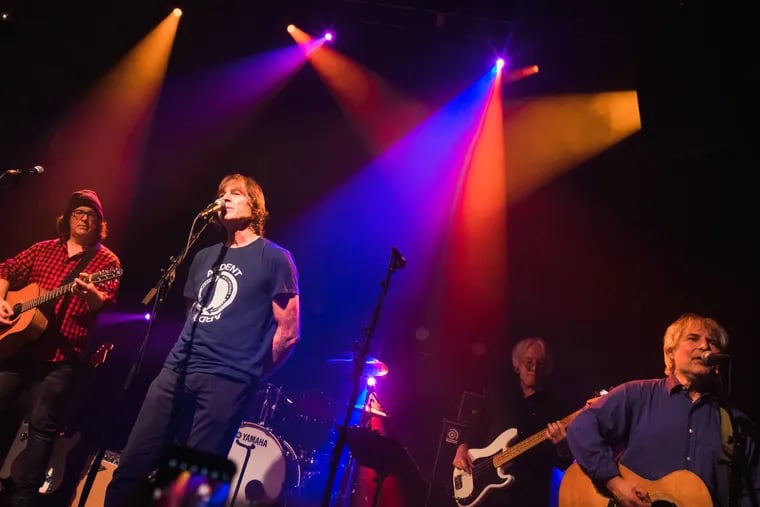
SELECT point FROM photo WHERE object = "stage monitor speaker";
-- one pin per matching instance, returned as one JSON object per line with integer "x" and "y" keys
{"x": 440, "y": 490}
{"x": 472, "y": 409}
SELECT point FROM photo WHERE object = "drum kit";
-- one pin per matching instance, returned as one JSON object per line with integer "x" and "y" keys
{"x": 282, "y": 449}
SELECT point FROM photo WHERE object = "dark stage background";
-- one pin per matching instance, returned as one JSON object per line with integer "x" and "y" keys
{"x": 600, "y": 260}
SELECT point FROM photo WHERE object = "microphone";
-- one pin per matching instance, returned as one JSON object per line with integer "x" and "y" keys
{"x": 712, "y": 358}
{"x": 38, "y": 169}
{"x": 212, "y": 208}
{"x": 399, "y": 261}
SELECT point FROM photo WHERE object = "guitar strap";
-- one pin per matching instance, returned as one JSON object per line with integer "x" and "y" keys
{"x": 735, "y": 461}
{"x": 726, "y": 436}
{"x": 86, "y": 258}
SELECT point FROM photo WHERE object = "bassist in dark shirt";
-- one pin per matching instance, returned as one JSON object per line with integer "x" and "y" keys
{"x": 528, "y": 408}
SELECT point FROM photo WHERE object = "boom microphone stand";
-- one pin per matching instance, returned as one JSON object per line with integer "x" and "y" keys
{"x": 160, "y": 289}
{"x": 361, "y": 350}
{"x": 8, "y": 177}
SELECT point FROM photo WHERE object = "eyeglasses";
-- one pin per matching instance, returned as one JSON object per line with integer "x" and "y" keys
{"x": 530, "y": 364}
{"x": 80, "y": 213}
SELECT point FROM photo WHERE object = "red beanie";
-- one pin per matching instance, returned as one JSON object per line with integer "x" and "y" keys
{"x": 84, "y": 197}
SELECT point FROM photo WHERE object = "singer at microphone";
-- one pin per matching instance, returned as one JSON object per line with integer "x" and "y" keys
{"x": 246, "y": 308}
{"x": 213, "y": 208}
{"x": 656, "y": 425}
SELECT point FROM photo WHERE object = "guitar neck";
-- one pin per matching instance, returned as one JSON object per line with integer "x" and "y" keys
{"x": 48, "y": 296}
{"x": 511, "y": 453}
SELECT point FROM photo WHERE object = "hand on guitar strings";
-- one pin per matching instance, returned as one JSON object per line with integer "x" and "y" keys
{"x": 462, "y": 458}
{"x": 6, "y": 311}
{"x": 628, "y": 493}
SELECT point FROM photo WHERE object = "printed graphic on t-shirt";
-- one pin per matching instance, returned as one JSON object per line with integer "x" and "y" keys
{"x": 217, "y": 292}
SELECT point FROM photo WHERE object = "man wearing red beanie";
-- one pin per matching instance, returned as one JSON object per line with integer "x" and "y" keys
{"x": 41, "y": 355}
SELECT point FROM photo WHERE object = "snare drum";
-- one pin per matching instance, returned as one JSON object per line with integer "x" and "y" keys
{"x": 266, "y": 465}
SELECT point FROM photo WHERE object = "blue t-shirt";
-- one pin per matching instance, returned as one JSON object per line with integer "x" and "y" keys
{"x": 230, "y": 327}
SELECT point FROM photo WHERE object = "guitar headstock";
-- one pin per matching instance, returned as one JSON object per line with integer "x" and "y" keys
{"x": 597, "y": 394}
{"x": 105, "y": 275}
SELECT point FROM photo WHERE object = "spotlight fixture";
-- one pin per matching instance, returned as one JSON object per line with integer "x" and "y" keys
{"x": 291, "y": 28}
{"x": 177, "y": 11}
{"x": 328, "y": 36}
{"x": 499, "y": 63}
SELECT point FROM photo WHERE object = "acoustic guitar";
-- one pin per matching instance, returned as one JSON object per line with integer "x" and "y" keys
{"x": 681, "y": 488}
{"x": 28, "y": 320}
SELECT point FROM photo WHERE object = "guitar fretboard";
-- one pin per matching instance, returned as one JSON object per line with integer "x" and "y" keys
{"x": 99, "y": 277}
{"x": 507, "y": 455}
{"x": 48, "y": 296}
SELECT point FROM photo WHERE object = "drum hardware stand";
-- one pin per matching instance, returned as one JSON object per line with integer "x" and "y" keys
{"x": 369, "y": 409}
{"x": 361, "y": 350}
{"x": 161, "y": 288}
{"x": 268, "y": 409}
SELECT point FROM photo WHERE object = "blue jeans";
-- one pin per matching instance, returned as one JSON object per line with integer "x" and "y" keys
{"x": 211, "y": 406}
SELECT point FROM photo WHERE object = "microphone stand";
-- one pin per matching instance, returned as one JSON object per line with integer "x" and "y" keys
{"x": 361, "y": 350}
{"x": 740, "y": 478}
{"x": 161, "y": 288}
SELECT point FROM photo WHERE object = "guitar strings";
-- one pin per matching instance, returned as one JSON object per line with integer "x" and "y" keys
{"x": 487, "y": 463}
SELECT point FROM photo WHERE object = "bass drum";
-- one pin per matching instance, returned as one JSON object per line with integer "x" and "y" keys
{"x": 266, "y": 466}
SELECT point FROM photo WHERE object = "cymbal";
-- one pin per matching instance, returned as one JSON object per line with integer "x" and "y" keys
{"x": 373, "y": 367}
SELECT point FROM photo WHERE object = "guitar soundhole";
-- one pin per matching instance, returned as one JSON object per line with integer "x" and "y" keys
{"x": 656, "y": 503}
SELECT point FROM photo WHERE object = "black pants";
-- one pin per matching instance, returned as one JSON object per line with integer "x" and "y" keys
{"x": 210, "y": 407}
{"x": 47, "y": 388}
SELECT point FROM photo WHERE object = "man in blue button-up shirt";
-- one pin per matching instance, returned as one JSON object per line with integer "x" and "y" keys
{"x": 657, "y": 426}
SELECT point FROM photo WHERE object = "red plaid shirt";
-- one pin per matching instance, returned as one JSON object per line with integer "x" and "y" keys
{"x": 47, "y": 263}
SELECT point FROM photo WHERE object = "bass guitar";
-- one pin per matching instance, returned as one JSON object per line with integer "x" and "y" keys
{"x": 487, "y": 464}
{"x": 28, "y": 320}
{"x": 681, "y": 488}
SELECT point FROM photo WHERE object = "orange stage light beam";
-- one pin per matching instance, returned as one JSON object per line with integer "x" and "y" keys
{"x": 518, "y": 74}
{"x": 100, "y": 142}
{"x": 546, "y": 137}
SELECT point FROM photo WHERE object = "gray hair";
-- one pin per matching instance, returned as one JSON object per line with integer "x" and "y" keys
{"x": 518, "y": 351}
